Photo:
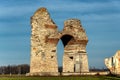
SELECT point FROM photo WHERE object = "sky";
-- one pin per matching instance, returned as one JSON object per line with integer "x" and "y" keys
{"x": 100, "y": 19}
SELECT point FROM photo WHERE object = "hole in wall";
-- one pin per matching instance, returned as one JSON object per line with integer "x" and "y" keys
{"x": 65, "y": 39}
{"x": 52, "y": 56}
{"x": 71, "y": 57}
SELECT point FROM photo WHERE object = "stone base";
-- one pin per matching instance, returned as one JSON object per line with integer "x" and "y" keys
{"x": 85, "y": 73}
{"x": 67, "y": 73}
{"x": 43, "y": 74}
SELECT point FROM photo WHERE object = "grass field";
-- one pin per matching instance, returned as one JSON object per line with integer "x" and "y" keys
{"x": 60, "y": 78}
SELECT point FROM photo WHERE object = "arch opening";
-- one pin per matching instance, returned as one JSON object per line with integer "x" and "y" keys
{"x": 65, "y": 39}
{"x": 60, "y": 52}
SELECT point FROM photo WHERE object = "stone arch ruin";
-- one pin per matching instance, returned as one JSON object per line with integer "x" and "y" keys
{"x": 44, "y": 39}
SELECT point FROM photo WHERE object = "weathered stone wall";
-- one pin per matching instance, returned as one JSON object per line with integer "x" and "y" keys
{"x": 44, "y": 39}
{"x": 113, "y": 63}
{"x": 75, "y": 57}
{"x": 42, "y": 59}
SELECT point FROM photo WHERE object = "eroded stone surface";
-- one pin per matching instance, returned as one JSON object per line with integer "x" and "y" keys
{"x": 44, "y": 40}
{"x": 113, "y": 63}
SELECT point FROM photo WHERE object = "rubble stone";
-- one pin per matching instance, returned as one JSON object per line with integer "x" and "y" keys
{"x": 113, "y": 63}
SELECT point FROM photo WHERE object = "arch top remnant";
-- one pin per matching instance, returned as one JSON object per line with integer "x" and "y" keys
{"x": 44, "y": 40}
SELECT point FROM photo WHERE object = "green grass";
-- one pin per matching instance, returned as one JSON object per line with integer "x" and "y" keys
{"x": 60, "y": 78}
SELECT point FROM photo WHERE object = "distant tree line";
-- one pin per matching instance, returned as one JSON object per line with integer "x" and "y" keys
{"x": 25, "y": 68}
{"x": 92, "y": 69}
{"x": 15, "y": 69}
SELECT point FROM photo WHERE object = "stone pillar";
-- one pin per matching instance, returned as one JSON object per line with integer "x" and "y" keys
{"x": 81, "y": 62}
{"x": 43, "y": 49}
{"x": 75, "y": 56}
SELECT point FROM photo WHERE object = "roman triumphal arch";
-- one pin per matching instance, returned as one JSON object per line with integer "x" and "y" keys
{"x": 44, "y": 40}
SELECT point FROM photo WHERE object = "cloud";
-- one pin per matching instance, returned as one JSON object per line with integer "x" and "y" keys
{"x": 83, "y": 7}
{"x": 14, "y": 30}
{"x": 15, "y": 11}
{"x": 61, "y": 6}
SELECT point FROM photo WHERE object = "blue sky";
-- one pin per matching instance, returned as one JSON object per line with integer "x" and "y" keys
{"x": 100, "y": 19}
